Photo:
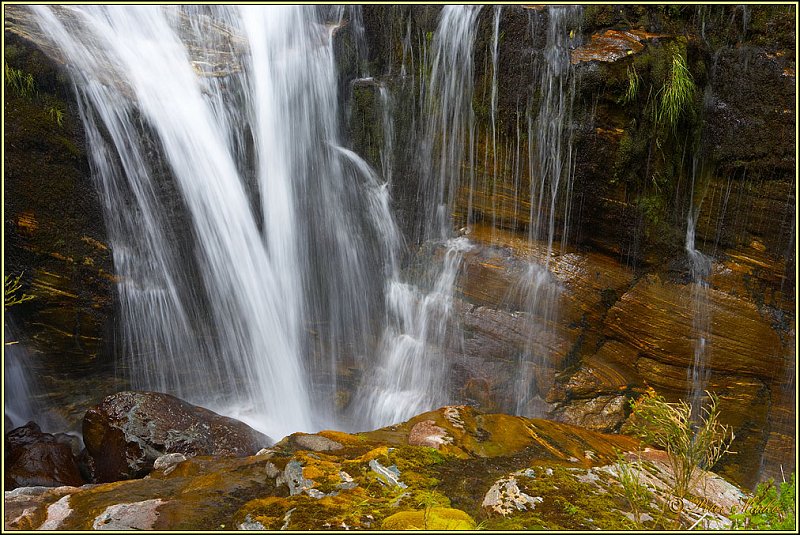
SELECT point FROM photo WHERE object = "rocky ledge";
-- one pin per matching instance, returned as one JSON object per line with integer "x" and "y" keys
{"x": 452, "y": 468}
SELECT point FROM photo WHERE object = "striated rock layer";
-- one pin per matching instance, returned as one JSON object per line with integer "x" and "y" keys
{"x": 617, "y": 333}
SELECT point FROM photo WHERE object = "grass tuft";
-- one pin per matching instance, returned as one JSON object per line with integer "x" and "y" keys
{"x": 676, "y": 94}
{"x": 19, "y": 82}
{"x": 634, "y": 81}
{"x": 56, "y": 115}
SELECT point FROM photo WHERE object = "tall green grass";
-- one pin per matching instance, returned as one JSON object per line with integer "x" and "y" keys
{"x": 677, "y": 93}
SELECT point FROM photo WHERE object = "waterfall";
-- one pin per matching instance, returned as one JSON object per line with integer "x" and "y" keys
{"x": 245, "y": 265}
{"x": 257, "y": 257}
{"x": 387, "y": 151}
{"x": 19, "y": 405}
{"x": 410, "y": 374}
{"x": 551, "y": 163}
{"x": 450, "y": 128}
{"x": 493, "y": 108}
{"x": 700, "y": 270}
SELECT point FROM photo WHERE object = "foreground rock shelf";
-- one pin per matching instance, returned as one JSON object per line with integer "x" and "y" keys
{"x": 452, "y": 468}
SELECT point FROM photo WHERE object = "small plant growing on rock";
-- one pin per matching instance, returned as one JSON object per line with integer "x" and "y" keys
{"x": 676, "y": 94}
{"x": 633, "y": 86}
{"x": 692, "y": 444}
{"x": 21, "y": 83}
{"x": 56, "y": 115}
{"x": 636, "y": 492}
{"x": 13, "y": 293}
{"x": 771, "y": 507}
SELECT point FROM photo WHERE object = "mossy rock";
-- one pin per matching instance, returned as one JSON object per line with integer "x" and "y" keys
{"x": 435, "y": 518}
{"x": 269, "y": 512}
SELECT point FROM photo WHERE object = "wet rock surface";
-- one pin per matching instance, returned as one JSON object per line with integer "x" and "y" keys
{"x": 54, "y": 235}
{"x": 303, "y": 441}
{"x": 167, "y": 460}
{"x": 33, "y": 458}
{"x": 128, "y": 516}
{"x": 615, "y": 334}
{"x": 612, "y": 45}
{"x": 502, "y": 471}
{"x": 427, "y": 433}
{"x": 26, "y": 507}
{"x": 602, "y": 413}
{"x": 656, "y": 316}
{"x": 128, "y": 431}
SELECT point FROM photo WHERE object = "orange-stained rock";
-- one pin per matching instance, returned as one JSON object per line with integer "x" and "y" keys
{"x": 626, "y": 335}
{"x": 746, "y": 359}
{"x": 493, "y": 274}
{"x": 225, "y": 493}
{"x": 597, "y": 375}
{"x": 25, "y": 508}
{"x": 612, "y": 45}
{"x": 656, "y": 316}
{"x": 755, "y": 275}
{"x": 501, "y": 435}
{"x": 744, "y": 404}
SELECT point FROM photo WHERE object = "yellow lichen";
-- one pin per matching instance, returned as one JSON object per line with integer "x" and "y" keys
{"x": 346, "y": 439}
{"x": 382, "y": 451}
{"x": 434, "y": 518}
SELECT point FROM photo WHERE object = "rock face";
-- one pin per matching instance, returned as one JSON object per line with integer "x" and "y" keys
{"x": 616, "y": 333}
{"x": 128, "y": 431}
{"x": 302, "y": 441}
{"x": 427, "y": 433}
{"x": 55, "y": 237}
{"x": 601, "y": 413}
{"x": 655, "y": 318}
{"x": 504, "y": 472}
{"x": 167, "y": 460}
{"x": 505, "y": 497}
{"x": 611, "y": 45}
{"x": 33, "y": 458}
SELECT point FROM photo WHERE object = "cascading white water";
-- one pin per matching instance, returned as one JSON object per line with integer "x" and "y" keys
{"x": 251, "y": 269}
{"x": 700, "y": 270}
{"x": 493, "y": 108}
{"x": 410, "y": 373}
{"x": 213, "y": 132}
{"x": 18, "y": 402}
{"x": 551, "y": 163}
{"x": 449, "y": 137}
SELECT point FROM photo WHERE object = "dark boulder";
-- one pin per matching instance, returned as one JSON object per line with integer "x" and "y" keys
{"x": 34, "y": 458}
{"x": 128, "y": 431}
